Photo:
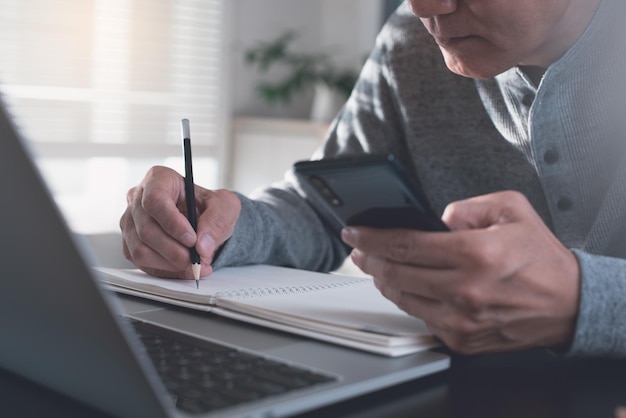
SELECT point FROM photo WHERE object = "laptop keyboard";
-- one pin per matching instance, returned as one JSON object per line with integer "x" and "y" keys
{"x": 203, "y": 376}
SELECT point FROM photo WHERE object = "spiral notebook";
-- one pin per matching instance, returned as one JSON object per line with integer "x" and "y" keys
{"x": 345, "y": 310}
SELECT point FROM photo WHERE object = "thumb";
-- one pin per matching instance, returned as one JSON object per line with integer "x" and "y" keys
{"x": 487, "y": 210}
{"x": 219, "y": 212}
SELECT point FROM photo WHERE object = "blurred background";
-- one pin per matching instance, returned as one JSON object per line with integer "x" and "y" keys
{"x": 98, "y": 88}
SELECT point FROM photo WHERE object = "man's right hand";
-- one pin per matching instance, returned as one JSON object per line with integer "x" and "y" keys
{"x": 155, "y": 230}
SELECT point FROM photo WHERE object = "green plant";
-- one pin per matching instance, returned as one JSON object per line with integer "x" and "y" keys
{"x": 304, "y": 70}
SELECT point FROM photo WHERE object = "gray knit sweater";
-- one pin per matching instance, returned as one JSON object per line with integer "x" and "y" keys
{"x": 557, "y": 143}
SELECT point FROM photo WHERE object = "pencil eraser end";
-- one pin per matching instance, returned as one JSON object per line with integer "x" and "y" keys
{"x": 185, "y": 128}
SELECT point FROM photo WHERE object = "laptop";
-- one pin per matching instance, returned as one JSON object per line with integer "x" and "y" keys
{"x": 61, "y": 328}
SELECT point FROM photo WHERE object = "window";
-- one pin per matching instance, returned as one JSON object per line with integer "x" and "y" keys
{"x": 99, "y": 87}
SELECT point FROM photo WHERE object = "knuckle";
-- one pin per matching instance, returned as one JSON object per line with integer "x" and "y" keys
{"x": 139, "y": 254}
{"x": 388, "y": 271}
{"x": 131, "y": 194}
{"x": 231, "y": 198}
{"x": 459, "y": 325}
{"x": 156, "y": 171}
{"x": 151, "y": 202}
{"x": 400, "y": 246}
{"x": 512, "y": 202}
{"x": 470, "y": 298}
{"x": 231, "y": 202}
{"x": 145, "y": 231}
{"x": 460, "y": 333}
{"x": 225, "y": 218}
{"x": 223, "y": 207}
{"x": 515, "y": 198}
{"x": 485, "y": 254}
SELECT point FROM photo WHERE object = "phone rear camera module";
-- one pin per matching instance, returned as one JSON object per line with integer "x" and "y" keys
{"x": 325, "y": 191}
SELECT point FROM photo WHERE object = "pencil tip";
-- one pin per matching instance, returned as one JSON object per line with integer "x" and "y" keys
{"x": 196, "y": 273}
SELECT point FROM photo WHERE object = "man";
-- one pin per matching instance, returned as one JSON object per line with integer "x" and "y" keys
{"x": 516, "y": 138}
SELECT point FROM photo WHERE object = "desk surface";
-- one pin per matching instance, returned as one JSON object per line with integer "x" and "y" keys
{"x": 530, "y": 384}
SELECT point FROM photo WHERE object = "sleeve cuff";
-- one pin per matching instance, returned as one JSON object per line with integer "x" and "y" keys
{"x": 601, "y": 325}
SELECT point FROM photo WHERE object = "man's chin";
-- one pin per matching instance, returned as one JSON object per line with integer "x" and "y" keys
{"x": 472, "y": 68}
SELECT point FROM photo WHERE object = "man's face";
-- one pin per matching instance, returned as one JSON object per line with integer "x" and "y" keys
{"x": 483, "y": 38}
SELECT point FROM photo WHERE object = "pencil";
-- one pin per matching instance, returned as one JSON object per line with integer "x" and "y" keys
{"x": 190, "y": 199}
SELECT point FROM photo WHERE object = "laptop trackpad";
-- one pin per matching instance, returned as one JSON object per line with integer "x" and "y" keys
{"x": 214, "y": 327}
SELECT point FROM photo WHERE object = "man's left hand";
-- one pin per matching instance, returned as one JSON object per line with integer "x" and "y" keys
{"x": 499, "y": 281}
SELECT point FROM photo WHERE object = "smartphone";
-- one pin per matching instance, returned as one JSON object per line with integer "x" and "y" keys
{"x": 368, "y": 190}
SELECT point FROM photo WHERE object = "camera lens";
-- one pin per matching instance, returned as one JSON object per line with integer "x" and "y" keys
{"x": 325, "y": 191}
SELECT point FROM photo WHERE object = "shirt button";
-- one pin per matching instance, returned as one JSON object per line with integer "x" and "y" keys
{"x": 564, "y": 204}
{"x": 550, "y": 157}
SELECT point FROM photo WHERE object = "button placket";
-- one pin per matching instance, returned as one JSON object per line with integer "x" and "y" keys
{"x": 553, "y": 169}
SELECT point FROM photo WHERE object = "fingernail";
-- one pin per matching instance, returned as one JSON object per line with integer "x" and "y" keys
{"x": 348, "y": 235}
{"x": 206, "y": 245}
{"x": 188, "y": 239}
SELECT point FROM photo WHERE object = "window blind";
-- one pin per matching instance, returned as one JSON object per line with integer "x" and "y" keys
{"x": 99, "y": 88}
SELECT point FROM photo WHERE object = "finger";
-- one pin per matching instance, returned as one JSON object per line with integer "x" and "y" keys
{"x": 420, "y": 307}
{"x": 219, "y": 214}
{"x": 147, "y": 226}
{"x": 482, "y": 342}
{"x": 142, "y": 255}
{"x": 423, "y": 282}
{"x": 487, "y": 210}
{"x": 186, "y": 275}
{"x": 150, "y": 244}
{"x": 162, "y": 198}
{"x": 453, "y": 329}
{"x": 469, "y": 294}
{"x": 487, "y": 340}
{"x": 446, "y": 250}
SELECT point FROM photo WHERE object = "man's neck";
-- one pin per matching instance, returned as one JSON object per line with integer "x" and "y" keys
{"x": 572, "y": 25}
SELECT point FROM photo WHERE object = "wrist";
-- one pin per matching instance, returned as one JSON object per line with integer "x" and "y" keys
{"x": 570, "y": 283}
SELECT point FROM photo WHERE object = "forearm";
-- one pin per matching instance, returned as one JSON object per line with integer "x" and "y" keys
{"x": 279, "y": 227}
{"x": 601, "y": 327}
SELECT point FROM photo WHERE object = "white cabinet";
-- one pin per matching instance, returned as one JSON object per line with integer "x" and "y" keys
{"x": 264, "y": 149}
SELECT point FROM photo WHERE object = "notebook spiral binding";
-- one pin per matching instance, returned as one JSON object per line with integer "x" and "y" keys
{"x": 285, "y": 290}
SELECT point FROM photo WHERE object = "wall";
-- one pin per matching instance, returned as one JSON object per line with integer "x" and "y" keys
{"x": 345, "y": 28}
